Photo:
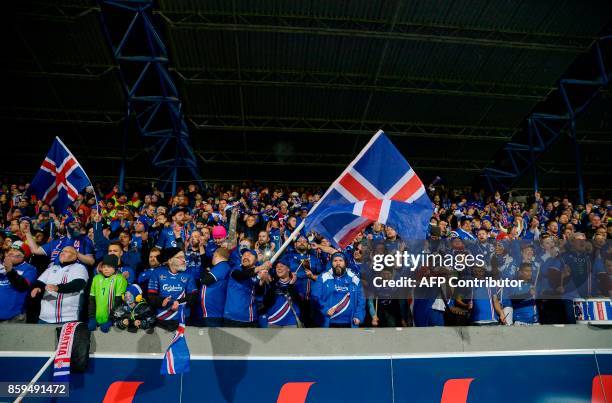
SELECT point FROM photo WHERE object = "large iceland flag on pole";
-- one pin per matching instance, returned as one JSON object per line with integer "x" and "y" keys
{"x": 379, "y": 185}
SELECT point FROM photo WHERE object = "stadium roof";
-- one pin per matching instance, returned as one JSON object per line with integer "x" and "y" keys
{"x": 289, "y": 91}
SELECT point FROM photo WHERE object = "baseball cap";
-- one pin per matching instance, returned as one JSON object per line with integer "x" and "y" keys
{"x": 22, "y": 247}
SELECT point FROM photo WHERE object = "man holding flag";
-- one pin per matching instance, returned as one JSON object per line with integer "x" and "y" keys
{"x": 378, "y": 186}
{"x": 58, "y": 183}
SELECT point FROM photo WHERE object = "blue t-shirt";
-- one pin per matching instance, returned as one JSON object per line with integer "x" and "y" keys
{"x": 212, "y": 297}
{"x": 303, "y": 283}
{"x": 581, "y": 282}
{"x": 483, "y": 309}
{"x": 132, "y": 259}
{"x": 128, "y": 269}
{"x": 53, "y": 248}
{"x": 11, "y": 300}
{"x": 167, "y": 239}
{"x": 275, "y": 238}
{"x": 549, "y": 266}
{"x": 524, "y": 304}
{"x": 240, "y": 300}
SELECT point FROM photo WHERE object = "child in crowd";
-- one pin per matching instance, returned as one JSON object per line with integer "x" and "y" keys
{"x": 134, "y": 313}
{"x": 107, "y": 289}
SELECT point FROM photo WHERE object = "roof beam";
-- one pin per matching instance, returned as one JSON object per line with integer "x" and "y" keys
{"x": 423, "y": 85}
{"x": 399, "y": 129}
{"x": 288, "y": 125}
{"x": 424, "y": 163}
{"x": 377, "y": 30}
{"x": 354, "y": 127}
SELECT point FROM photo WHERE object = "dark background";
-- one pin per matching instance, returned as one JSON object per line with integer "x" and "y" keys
{"x": 290, "y": 91}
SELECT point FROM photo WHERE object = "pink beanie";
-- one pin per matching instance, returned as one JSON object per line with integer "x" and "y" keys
{"x": 219, "y": 232}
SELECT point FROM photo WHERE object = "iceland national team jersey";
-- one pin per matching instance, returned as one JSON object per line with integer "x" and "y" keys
{"x": 61, "y": 307}
{"x": 303, "y": 283}
{"x": 53, "y": 248}
{"x": 283, "y": 311}
{"x": 164, "y": 283}
{"x": 344, "y": 295}
{"x": 212, "y": 297}
{"x": 193, "y": 258}
{"x": 483, "y": 309}
{"x": 167, "y": 239}
{"x": 240, "y": 300}
{"x": 524, "y": 305}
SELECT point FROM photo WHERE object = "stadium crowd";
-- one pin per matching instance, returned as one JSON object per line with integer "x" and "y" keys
{"x": 140, "y": 259}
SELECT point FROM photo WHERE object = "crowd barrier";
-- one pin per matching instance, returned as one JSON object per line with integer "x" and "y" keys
{"x": 475, "y": 364}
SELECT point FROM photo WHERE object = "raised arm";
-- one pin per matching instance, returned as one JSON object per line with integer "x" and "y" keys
{"x": 24, "y": 226}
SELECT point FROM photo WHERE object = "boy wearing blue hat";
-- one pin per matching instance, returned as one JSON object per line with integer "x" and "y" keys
{"x": 135, "y": 313}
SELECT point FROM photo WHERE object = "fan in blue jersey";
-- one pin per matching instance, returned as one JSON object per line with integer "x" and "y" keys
{"x": 502, "y": 262}
{"x": 101, "y": 235}
{"x": 274, "y": 233}
{"x": 219, "y": 235}
{"x": 169, "y": 286}
{"x": 194, "y": 251}
{"x": 464, "y": 232}
{"x": 554, "y": 309}
{"x": 522, "y": 297}
{"x": 483, "y": 246}
{"x": 177, "y": 233}
{"x": 145, "y": 275}
{"x": 128, "y": 272}
{"x": 376, "y": 232}
{"x": 148, "y": 216}
{"x": 73, "y": 237}
{"x": 306, "y": 265}
{"x": 484, "y": 305}
{"x": 244, "y": 283}
{"x": 16, "y": 277}
{"x": 578, "y": 264}
{"x": 281, "y": 300}
{"x": 214, "y": 289}
{"x": 340, "y": 295}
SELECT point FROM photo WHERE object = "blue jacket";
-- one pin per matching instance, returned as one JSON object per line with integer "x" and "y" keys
{"x": 345, "y": 294}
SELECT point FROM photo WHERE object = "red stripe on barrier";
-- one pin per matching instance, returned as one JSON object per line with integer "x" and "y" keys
{"x": 121, "y": 392}
{"x": 601, "y": 391}
{"x": 294, "y": 392}
{"x": 456, "y": 390}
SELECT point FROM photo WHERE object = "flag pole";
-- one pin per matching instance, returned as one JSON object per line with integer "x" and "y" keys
{"x": 293, "y": 235}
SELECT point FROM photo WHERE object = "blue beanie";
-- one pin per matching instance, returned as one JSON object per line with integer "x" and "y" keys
{"x": 251, "y": 251}
{"x": 285, "y": 260}
{"x": 136, "y": 292}
{"x": 338, "y": 254}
